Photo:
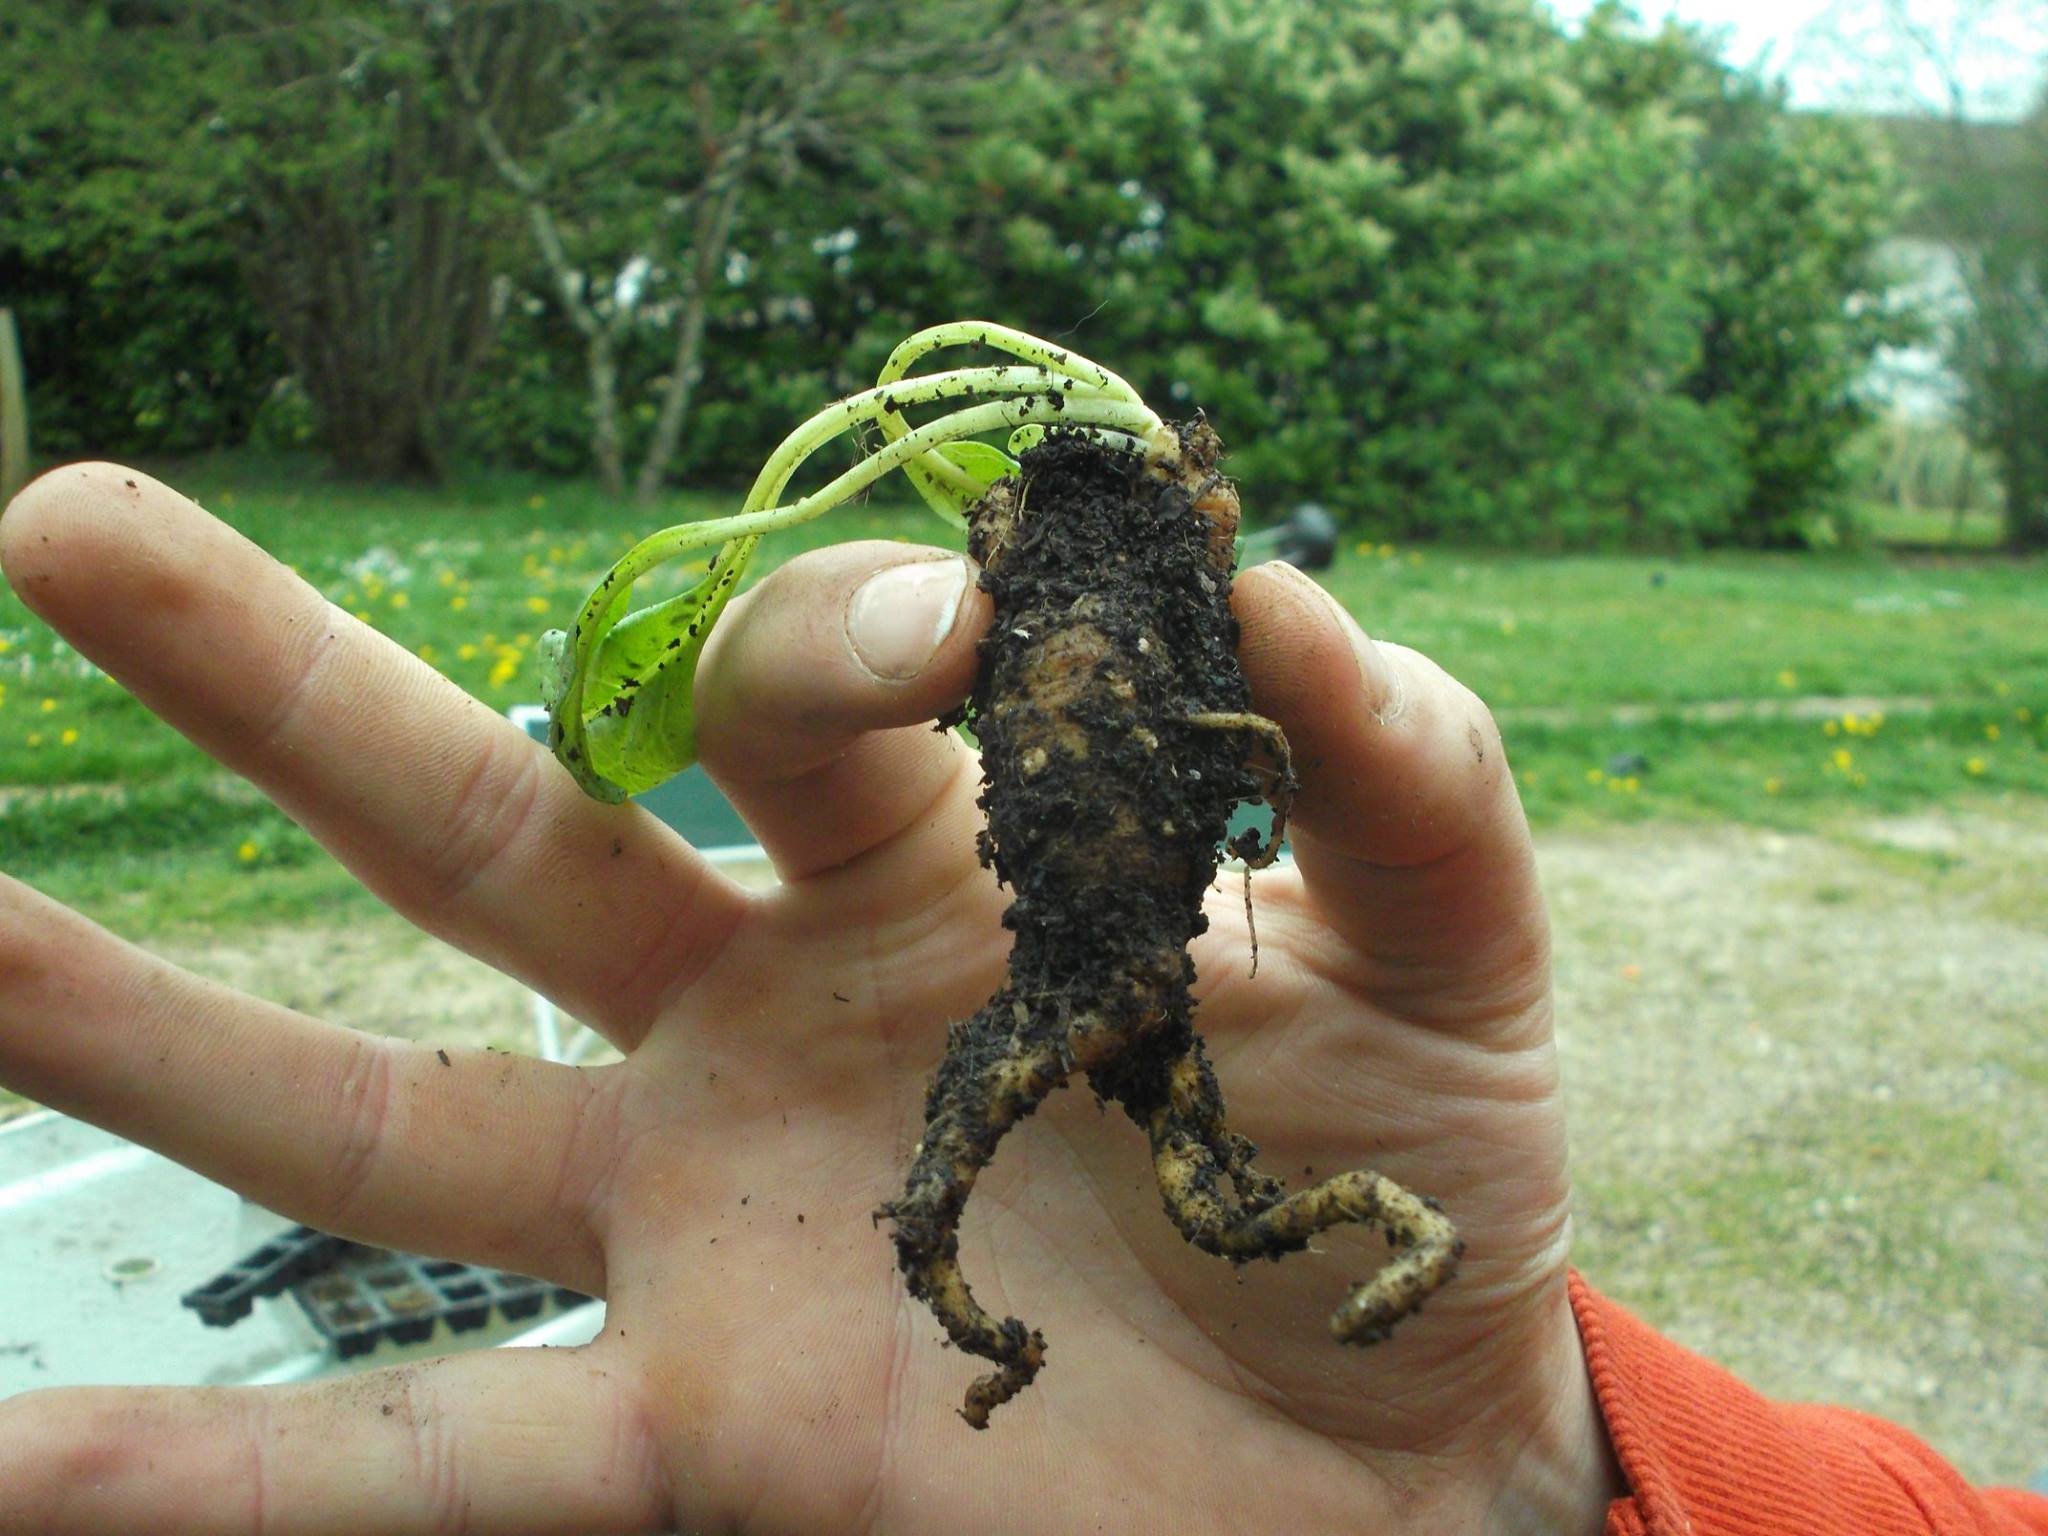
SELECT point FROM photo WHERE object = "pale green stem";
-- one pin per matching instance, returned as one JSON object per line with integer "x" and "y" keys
{"x": 886, "y": 401}
{"x": 1032, "y": 349}
{"x": 879, "y": 403}
{"x": 1079, "y": 407}
{"x": 1083, "y": 373}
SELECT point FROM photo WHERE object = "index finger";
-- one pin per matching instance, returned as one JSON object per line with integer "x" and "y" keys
{"x": 439, "y": 804}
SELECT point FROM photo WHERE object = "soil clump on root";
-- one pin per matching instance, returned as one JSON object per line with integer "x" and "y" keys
{"x": 1117, "y": 738}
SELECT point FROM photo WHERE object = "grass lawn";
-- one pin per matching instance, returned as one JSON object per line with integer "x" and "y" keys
{"x": 1778, "y": 690}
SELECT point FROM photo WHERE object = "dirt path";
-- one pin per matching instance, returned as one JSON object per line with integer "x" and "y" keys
{"x": 1809, "y": 1087}
{"x": 1809, "y": 1091}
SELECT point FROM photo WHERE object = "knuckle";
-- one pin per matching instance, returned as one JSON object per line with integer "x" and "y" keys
{"x": 436, "y": 1457}
{"x": 365, "y": 1092}
{"x": 487, "y": 810}
{"x": 592, "y": 1150}
{"x": 272, "y": 728}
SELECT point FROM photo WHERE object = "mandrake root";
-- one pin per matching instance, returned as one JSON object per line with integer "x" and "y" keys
{"x": 1117, "y": 737}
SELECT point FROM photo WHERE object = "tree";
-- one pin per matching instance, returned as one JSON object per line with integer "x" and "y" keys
{"x": 119, "y": 256}
{"x": 373, "y": 232}
{"x": 681, "y": 121}
{"x": 1787, "y": 213}
{"x": 1393, "y": 250}
{"x": 1980, "y": 169}
{"x": 2001, "y": 349}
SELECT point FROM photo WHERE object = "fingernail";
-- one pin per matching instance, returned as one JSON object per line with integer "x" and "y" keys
{"x": 899, "y": 617}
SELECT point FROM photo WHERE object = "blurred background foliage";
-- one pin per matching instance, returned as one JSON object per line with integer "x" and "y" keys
{"x": 1447, "y": 268}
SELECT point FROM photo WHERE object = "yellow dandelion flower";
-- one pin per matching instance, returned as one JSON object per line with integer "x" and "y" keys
{"x": 1974, "y": 767}
{"x": 1788, "y": 678}
{"x": 446, "y": 578}
{"x": 2001, "y": 688}
{"x": 466, "y": 651}
{"x": 1832, "y": 727}
{"x": 49, "y": 706}
{"x": 1363, "y": 547}
{"x": 1507, "y": 625}
{"x": 458, "y": 603}
{"x": 1631, "y": 784}
{"x": 426, "y": 651}
{"x": 248, "y": 852}
{"x": 1595, "y": 776}
{"x": 70, "y": 736}
{"x": 1991, "y": 732}
{"x": 401, "y": 600}
{"x": 1773, "y": 786}
{"x": 35, "y": 738}
{"x": 535, "y": 502}
{"x": 361, "y": 613}
{"x": 6, "y": 646}
{"x": 2022, "y": 714}
{"x": 537, "y": 604}
{"x": 1386, "y": 551}
{"x": 1842, "y": 758}
{"x": 555, "y": 554}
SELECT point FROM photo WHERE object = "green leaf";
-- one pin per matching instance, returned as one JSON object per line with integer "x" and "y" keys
{"x": 638, "y": 723}
{"x": 557, "y": 668}
{"x": 1027, "y": 437}
{"x": 981, "y": 463}
{"x": 986, "y": 464}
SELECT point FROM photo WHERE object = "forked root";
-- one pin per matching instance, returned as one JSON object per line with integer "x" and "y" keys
{"x": 1225, "y": 1206}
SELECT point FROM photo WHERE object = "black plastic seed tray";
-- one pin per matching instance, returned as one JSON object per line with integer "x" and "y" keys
{"x": 287, "y": 1259}
{"x": 379, "y": 1295}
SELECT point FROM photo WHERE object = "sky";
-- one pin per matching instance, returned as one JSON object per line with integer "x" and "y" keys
{"x": 1852, "y": 53}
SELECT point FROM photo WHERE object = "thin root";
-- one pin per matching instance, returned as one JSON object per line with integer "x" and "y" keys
{"x": 1280, "y": 781}
{"x": 1193, "y": 1154}
{"x": 967, "y": 1115}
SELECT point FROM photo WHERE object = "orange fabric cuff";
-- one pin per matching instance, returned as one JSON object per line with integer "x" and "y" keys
{"x": 1706, "y": 1456}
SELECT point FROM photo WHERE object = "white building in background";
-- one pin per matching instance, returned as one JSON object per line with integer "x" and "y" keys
{"x": 1916, "y": 381}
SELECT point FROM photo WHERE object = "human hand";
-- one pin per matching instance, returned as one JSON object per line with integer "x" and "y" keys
{"x": 761, "y": 1368}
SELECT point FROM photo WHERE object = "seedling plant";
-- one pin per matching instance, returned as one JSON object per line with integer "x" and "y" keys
{"x": 1116, "y": 736}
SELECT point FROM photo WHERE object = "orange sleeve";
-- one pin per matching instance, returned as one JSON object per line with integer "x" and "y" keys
{"x": 1703, "y": 1455}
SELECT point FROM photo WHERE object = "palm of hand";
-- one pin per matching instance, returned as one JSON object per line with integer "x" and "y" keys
{"x": 762, "y": 1368}
{"x": 800, "y": 1097}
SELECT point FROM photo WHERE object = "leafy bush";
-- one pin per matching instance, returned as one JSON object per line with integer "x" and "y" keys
{"x": 1787, "y": 210}
{"x": 1393, "y": 250}
{"x": 137, "y": 333}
